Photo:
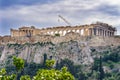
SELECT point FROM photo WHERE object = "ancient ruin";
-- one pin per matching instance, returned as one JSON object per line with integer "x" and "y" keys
{"x": 97, "y": 29}
{"x": 58, "y": 34}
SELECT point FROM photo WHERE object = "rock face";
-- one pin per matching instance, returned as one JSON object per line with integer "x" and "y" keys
{"x": 104, "y": 41}
{"x": 78, "y": 52}
{"x": 72, "y": 47}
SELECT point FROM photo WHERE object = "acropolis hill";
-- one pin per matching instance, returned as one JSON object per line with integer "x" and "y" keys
{"x": 59, "y": 34}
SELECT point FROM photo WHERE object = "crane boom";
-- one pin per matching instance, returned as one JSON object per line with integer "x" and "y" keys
{"x": 64, "y": 20}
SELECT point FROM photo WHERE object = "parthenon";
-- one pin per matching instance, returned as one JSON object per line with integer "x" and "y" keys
{"x": 97, "y": 29}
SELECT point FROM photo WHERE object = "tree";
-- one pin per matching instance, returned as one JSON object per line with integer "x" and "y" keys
{"x": 3, "y": 75}
{"x": 57, "y": 34}
{"x": 18, "y": 62}
{"x": 52, "y": 74}
{"x": 101, "y": 70}
{"x": 25, "y": 77}
{"x": 42, "y": 74}
{"x": 45, "y": 58}
{"x": 75, "y": 70}
{"x": 49, "y": 63}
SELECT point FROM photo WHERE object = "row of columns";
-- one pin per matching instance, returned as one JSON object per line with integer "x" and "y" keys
{"x": 91, "y": 31}
{"x": 101, "y": 32}
{"x": 63, "y": 32}
{"x": 26, "y": 32}
{"x": 85, "y": 32}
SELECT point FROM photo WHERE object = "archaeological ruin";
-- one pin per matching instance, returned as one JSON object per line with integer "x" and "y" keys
{"x": 83, "y": 32}
{"x": 97, "y": 29}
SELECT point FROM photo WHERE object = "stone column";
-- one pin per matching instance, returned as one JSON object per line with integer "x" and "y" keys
{"x": 108, "y": 33}
{"x": 100, "y": 32}
{"x": 88, "y": 31}
{"x": 91, "y": 31}
{"x": 53, "y": 32}
{"x": 65, "y": 32}
{"x": 103, "y": 33}
{"x": 26, "y": 33}
{"x": 62, "y": 33}
{"x": 84, "y": 33}
{"x": 31, "y": 33}
{"x": 97, "y": 31}
{"x": 75, "y": 31}
{"x": 112, "y": 33}
{"x": 80, "y": 31}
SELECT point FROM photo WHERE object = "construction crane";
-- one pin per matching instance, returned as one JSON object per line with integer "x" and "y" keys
{"x": 64, "y": 20}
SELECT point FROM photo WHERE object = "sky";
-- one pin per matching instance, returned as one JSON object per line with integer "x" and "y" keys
{"x": 44, "y": 13}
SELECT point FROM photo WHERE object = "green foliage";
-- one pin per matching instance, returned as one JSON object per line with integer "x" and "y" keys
{"x": 44, "y": 43}
{"x": 31, "y": 68}
{"x": 50, "y": 63}
{"x": 18, "y": 62}
{"x": 42, "y": 74}
{"x": 3, "y": 71}
{"x": 0, "y": 54}
{"x": 98, "y": 67}
{"x": 8, "y": 77}
{"x": 25, "y": 77}
{"x": 57, "y": 34}
{"x": 10, "y": 69}
{"x": 112, "y": 55}
{"x": 16, "y": 45}
{"x": 93, "y": 50}
{"x": 113, "y": 76}
{"x": 52, "y": 74}
{"x": 101, "y": 69}
{"x": 75, "y": 70}
{"x": 3, "y": 75}
{"x": 45, "y": 58}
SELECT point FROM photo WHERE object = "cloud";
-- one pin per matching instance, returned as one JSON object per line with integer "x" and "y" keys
{"x": 77, "y": 12}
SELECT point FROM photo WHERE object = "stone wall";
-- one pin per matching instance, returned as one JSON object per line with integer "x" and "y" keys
{"x": 92, "y": 40}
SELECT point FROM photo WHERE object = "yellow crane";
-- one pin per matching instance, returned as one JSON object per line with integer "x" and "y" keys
{"x": 64, "y": 20}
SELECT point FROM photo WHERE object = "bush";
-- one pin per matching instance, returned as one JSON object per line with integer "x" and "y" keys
{"x": 57, "y": 34}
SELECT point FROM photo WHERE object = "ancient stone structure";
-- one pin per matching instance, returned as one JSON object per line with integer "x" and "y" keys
{"x": 97, "y": 29}
{"x": 25, "y": 31}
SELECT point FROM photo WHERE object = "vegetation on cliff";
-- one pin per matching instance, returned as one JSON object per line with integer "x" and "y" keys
{"x": 42, "y": 74}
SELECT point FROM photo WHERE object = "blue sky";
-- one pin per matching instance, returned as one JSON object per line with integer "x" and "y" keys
{"x": 44, "y": 13}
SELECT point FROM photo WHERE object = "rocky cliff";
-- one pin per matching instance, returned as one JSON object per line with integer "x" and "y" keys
{"x": 73, "y": 47}
{"x": 78, "y": 52}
